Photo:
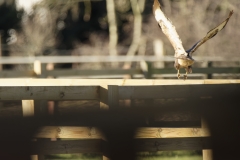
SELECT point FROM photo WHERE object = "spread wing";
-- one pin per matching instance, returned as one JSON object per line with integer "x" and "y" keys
{"x": 209, "y": 35}
{"x": 169, "y": 30}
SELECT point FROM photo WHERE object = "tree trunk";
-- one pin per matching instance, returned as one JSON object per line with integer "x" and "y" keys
{"x": 113, "y": 36}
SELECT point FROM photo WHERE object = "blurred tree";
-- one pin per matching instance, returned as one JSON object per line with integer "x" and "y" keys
{"x": 9, "y": 22}
{"x": 37, "y": 34}
{"x": 113, "y": 35}
{"x": 81, "y": 26}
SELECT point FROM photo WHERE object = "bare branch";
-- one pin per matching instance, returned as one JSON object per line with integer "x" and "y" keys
{"x": 137, "y": 32}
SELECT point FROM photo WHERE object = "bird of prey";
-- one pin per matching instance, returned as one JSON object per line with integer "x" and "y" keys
{"x": 183, "y": 59}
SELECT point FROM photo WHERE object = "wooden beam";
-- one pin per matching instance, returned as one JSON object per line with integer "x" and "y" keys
{"x": 77, "y": 72}
{"x": 51, "y": 147}
{"x": 49, "y": 93}
{"x": 68, "y": 132}
{"x": 178, "y": 91}
{"x": 113, "y": 72}
{"x": 93, "y": 133}
{"x": 92, "y": 59}
{"x": 96, "y": 145}
{"x": 171, "y": 144}
{"x": 171, "y": 132}
{"x": 105, "y": 82}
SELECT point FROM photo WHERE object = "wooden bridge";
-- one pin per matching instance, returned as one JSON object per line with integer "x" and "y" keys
{"x": 133, "y": 116}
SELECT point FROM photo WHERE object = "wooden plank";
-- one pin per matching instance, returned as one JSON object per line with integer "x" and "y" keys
{"x": 170, "y": 144}
{"x": 111, "y": 72}
{"x": 105, "y": 82}
{"x": 103, "y": 58}
{"x": 93, "y": 133}
{"x": 68, "y": 146}
{"x": 68, "y": 132}
{"x": 179, "y": 91}
{"x": 95, "y": 145}
{"x": 49, "y": 93}
{"x": 51, "y": 147}
{"x": 171, "y": 132}
{"x": 88, "y": 72}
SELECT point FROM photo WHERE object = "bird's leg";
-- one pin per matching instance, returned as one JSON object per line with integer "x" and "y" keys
{"x": 185, "y": 76}
{"x": 178, "y": 74}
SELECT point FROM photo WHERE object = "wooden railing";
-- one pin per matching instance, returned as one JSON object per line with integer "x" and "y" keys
{"x": 146, "y": 68}
{"x": 166, "y": 113}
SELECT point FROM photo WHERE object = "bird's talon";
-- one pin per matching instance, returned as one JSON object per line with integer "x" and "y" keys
{"x": 185, "y": 77}
{"x": 178, "y": 75}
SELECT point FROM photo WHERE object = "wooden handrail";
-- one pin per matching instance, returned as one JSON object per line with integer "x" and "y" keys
{"x": 92, "y": 59}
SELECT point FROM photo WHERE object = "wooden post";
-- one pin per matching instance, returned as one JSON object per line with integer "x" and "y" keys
{"x": 209, "y": 76}
{"x": 158, "y": 51}
{"x": 28, "y": 110}
{"x": 105, "y": 158}
{"x": 37, "y": 67}
{"x": 34, "y": 157}
{"x": 52, "y": 105}
{"x": 40, "y": 106}
{"x": 207, "y": 153}
{"x": 146, "y": 69}
{"x": 113, "y": 100}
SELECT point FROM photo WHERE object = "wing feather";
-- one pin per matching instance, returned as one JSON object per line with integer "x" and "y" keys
{"x": 169, "y": 30}
{"x": 209, "y": 35}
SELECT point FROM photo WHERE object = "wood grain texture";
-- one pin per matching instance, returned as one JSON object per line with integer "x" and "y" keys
{"x": 68, "y": 132}
{"x": 94, "y": 133}
{"x": 171, "y": 132}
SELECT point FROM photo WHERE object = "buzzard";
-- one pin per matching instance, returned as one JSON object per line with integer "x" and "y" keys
{"x": 183, "y": 59}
